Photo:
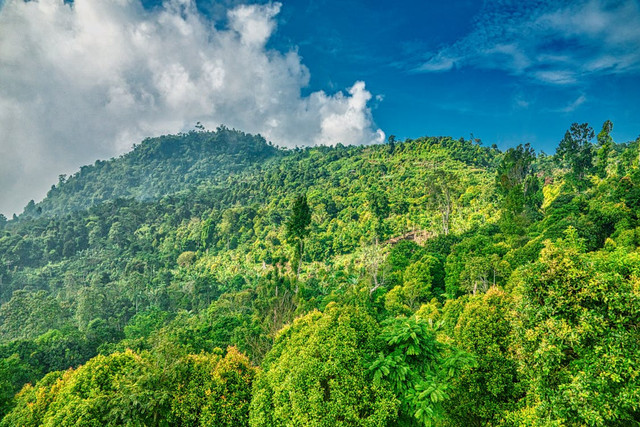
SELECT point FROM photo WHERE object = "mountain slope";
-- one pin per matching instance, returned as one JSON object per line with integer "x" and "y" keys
{"x": 428, "y": 282}
{"x": 157, "y": 167}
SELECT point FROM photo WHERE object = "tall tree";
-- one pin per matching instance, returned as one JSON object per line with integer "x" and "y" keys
{"x": 605, "y": 144}
{"x": 298, "y": 228}
{"x": 444, "y": 188}
{"x": 379, "y": 206}
{"x": 576, "y": 150}
{"x": 518, "y": 185}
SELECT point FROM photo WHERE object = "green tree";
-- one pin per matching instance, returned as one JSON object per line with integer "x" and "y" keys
{"x": 212, "y": 391}
{"x": 419, "y": 369}
{"x": 33, "y": 401}
{"x": 577, "y": 334}
{"x": 317, "y": 374}
{"x": 443, "y": 189}
{"x": 416, "y": 288}
{"x": 576, "y": 151}
{"x": 109, "y": 390}
{"x": 131, "y": 388}
{"x": 605, "y": 145}
{"x": 482, "y": 394}
{"x": 14, "y": 372}
{"x": 298, "y": 228}
{"x": 519, "y": 187}
{"x": 379, "y": 207}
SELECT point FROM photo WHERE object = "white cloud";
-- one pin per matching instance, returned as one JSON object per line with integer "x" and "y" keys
{"x": 345, "y": 119}
{"x": 520, "y": 101}
{"x": 573, "y": 106}
{"x": 559, "y": 77}
{"x": 551, "y": 42}
{"x": 440, "y": 62}
{"x": 86, "y": 81}
{"x": 254, "y": 23}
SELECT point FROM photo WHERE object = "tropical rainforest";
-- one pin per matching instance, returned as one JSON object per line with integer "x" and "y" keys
{"x": 212, "y": 278}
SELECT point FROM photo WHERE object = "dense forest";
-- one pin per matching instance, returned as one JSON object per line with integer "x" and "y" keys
{"x": 212, "y": 278}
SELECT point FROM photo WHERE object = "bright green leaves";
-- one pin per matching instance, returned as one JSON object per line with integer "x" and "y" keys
{"x": 418, "y": 368}
{"x": 213, "y": 391}
{"x": 411, "y": 336}
{"x": 481, "y": 394}
{"x": 134, "y": 389}
{"x": 317, "y": 374}
{"x": 34, "y": 401}
{"x": 579, "y": 314}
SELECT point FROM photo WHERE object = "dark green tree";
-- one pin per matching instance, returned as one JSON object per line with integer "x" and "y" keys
{"x": 298, "y": 228}
{"x": 518, "y": 186}
{"x": 379, "y": 206}
{"x": 418, "y": 368}
{"x": 391, "y": 143}
{"x": 605, "y": 145}
{"x": 576, "y": 151}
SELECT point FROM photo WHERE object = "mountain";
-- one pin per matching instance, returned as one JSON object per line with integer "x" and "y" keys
{"x": 157, "y": 167}
{"x": 210, "y": 278}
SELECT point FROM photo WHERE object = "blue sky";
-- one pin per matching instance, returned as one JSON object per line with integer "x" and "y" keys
{"x": 521, "y": 71}
{"x": 86, "y": 80}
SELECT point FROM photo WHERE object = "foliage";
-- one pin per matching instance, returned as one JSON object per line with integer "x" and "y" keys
{"x": 132, "y": 389}
{"x": 427, "y": 281}
{"x": 519, "y": 187}
{"x": 418, "y": 367}
{"x": 298, "y": 228}
{"x": 605, "y": 145}
{"x": 576, "y": 151}
{"x": 212, "y": 390}
{"x": 483, "y": 393}
{"x": 316, "y": 374}
{"x": 157, "y": 166}
{"x": 578, "y": 333}
{"x": 29, "y": 314}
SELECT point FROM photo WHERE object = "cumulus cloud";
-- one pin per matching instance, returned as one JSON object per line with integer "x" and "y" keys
{"x": 86, "y": 80}
{"x": 547, "y": 41}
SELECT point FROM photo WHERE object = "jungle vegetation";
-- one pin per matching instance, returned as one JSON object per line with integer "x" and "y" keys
{"x": 212, "y": 278}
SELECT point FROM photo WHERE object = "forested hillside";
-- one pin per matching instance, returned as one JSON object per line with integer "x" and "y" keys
{"x": 157, "y": 167}
{"x": 211, "y": 278}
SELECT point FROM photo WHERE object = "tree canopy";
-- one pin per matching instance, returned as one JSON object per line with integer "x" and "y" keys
{"x": 210, "y": 278}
